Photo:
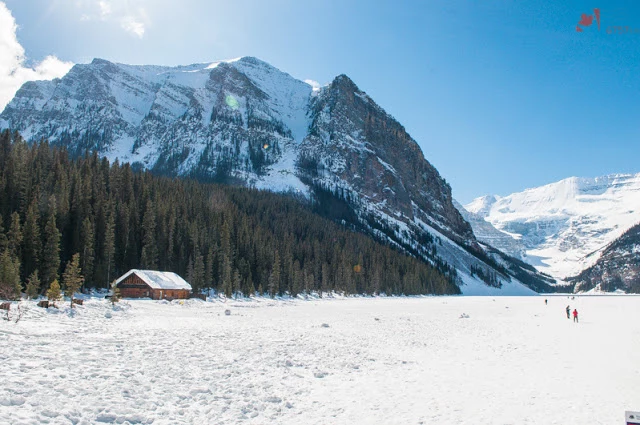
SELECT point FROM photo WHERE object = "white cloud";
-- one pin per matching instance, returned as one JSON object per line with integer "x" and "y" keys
{"x": 130, "y": 24}
{"x": 130, "y": 14}
{"x": 316, "y": 85}
{"x": 105, "y": 8}
{"x": 13, "y": 72}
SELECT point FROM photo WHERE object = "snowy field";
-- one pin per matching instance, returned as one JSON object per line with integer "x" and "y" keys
{"x": 513, "y": 360}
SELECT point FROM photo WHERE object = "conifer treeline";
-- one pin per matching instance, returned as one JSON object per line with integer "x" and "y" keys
{"x": 234, "y": 240}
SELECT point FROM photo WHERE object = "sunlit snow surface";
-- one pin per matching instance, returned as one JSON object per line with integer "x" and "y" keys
{"x": 513, "y": 360}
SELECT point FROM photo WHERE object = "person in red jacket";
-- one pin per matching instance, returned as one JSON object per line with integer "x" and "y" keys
{"x": 575, "y": 315}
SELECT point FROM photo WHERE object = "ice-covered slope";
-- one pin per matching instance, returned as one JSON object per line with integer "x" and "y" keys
{"x": 565, "y": 225}
{"x": 245, "y": 122}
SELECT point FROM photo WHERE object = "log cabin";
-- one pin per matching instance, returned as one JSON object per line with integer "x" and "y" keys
{"x": 152, "y": 284}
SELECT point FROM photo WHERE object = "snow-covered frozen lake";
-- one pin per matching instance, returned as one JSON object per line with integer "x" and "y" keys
{"x": 513, "y": 360}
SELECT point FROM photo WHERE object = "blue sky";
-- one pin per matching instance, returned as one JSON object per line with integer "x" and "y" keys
{"x": 500, "y": 95}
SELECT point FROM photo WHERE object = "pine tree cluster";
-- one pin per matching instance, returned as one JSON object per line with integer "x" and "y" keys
{"x": 233, "y": 240}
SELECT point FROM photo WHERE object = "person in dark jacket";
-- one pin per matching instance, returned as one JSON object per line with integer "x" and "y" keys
{"x": 575, "y": 315}
{"x": 568, "y": 312}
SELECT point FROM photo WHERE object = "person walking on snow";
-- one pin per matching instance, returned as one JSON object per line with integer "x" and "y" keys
{"x": 568, "y": 312}
{"x": 575, "y": 315}
{"x": 545, "y": 301}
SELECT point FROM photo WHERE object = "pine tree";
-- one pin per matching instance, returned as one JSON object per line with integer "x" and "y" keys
{"x": 109, "y": 248}
{"x": 225, "y": 238}
{"x": 297, "y": 283}
{"x": 348, "y": 281}
{"x": 87, "y": 251}
{"x": 17, "y": 174}
{"x": 169, "y": 234}
{"x": 226, "y": 271}
{"x": 286, "y": 278}
{"x": 274, "y": 277}
{"x": 198, "y": 272}
{"x": 10, "y": 287}
{"x": 33, "y": 285}
{"x": 226, "y": 283}
{"x": 32, "y": 241}
{"x": 236, "y": 282}
{"x": 149, "y": 258}
{"x": 190, "y": 274}
{"x": 375, "y": 282}
{"x": 208, "y": 269}
{"x": 4, "y": 243}
{"x": 51, "y": 245}
{"x": 72, "y": 277}
{"x": 14, "y": 236}
{"x": 326, "y": 282}
{"x": 54, "y": 294}
{"x": 123, "y": 235}
{"x": 248, "y": 282}
{"x": 306, "y": 281}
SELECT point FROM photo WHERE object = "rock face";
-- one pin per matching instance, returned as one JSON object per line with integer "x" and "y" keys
{"x": 564, "y": 226}
{"x": 246, "y": 122}
{"x": 357, "y": 143}
{"x": 617, "y": 269}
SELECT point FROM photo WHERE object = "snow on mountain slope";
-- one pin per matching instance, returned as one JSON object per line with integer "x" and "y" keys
{"x": 565, "y": 225}
{"x": 471, "y": 286}
{"x": 487, "y": 233}
{"x": 288, "y": 97}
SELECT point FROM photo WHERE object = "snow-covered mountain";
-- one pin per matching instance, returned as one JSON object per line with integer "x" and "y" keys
{"x": 245, "y": 122}
{"x": 239, "y": 118}
{"x": 618, "y": 268}
{"x": 565, "y": 226}
{"x": 489, "y": 234}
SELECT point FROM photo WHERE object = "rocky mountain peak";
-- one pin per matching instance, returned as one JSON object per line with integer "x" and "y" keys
{"x": 380, "y": 154}
{"x": 344, "y": 83}
{"x": 99, "y": 61}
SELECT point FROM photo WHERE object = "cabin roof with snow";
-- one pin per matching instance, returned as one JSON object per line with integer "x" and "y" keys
{"x": 158, "y": 280}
